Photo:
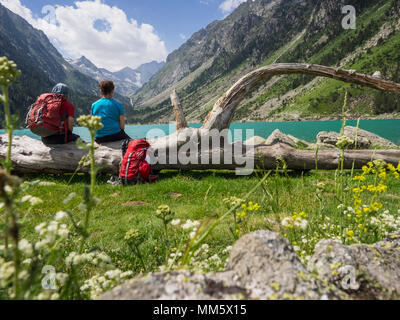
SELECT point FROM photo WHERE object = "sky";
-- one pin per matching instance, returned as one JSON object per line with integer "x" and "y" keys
{"x": 114, "y": 34}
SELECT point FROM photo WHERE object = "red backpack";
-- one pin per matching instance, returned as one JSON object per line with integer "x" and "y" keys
{"x": 44, "y": 117}
{"x": 134, "y": 167}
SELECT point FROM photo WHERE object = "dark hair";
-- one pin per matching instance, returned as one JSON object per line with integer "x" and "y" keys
{"x": 106, "y": 87}
{"x": 61, "y": 88}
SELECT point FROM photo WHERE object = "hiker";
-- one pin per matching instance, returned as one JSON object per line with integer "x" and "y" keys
{"x": 112, "y": 115}
{"x": 52, "y": 117}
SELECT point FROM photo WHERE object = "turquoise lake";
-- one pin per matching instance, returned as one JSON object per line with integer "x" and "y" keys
{"x": 307, "y": 130}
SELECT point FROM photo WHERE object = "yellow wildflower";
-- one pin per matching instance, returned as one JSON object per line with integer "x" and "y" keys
{"x": 381, "y": 188}
{"x": 367, "y": 210}
{"x": 241, "y": 215}
{"x": 357, "y": 203}
{"x": 359, "y": 178}
{"x": 376, "y": 206}
{"x": 383, "y": 175}
{"x": 365, "y": 169}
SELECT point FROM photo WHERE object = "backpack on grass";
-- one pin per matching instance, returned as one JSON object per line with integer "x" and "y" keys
{"x": 134, "y": 168}
{"x": 44, "y": 117}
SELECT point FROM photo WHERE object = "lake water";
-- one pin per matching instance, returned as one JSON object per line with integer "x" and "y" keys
{"x": 307, "y": 130}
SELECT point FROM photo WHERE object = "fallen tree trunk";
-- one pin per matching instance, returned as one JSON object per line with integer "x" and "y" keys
{"x": 181, "y": 149}
{"x": 221, "y": 115}
{"x": 32, "y": 156}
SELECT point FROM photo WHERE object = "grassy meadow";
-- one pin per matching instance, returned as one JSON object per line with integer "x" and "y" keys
{"x": 196, "y": 196}
{"x": 76, "y": 237}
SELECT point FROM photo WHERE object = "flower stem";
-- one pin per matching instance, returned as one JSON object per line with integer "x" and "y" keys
{"x": 89, "y": 195}
{"x": 13, "y": 229}
{"x": 9, "y": 128}
{"x": 92, "y": 163}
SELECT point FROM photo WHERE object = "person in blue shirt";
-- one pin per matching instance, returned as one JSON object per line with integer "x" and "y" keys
{"x": 112, "y": 115}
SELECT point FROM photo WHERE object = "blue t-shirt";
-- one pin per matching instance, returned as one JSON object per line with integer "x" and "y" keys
{"x": 110, "y": 111}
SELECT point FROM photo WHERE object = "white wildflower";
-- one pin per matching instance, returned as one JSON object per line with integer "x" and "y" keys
{"x": 61, "y": 215}
{"x": 35, "y": 201}
{"x": 25, "y": 247}
{"x": 61, "y": 278}
{"x": 190, "y": 224}
{"x": 40, "y": 228}
{"x": 39, "y": 245}
{"x": 8, "y": 189}
{"x": 286, "y": 222}
{"x": 26, "y": 198}
{"x": 127, "y": 274}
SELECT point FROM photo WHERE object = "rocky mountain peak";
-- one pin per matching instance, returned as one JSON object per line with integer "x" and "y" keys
{"x": 85, "y": 62}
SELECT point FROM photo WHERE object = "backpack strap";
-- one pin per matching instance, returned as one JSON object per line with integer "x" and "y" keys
{"x": 127, "y": 167}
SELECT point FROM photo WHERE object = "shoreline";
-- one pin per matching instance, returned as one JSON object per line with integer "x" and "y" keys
{"x": 386, "y": 116}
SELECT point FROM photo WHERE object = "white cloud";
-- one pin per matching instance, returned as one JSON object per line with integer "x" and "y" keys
{"x": 122, "y": 42}
{"x": 228, "y": 5}
{"x": 182, "y": 36}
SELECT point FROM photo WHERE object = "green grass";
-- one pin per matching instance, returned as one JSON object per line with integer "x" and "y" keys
{"x": 202, "y": 195}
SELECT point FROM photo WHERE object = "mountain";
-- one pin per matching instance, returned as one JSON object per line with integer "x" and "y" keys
{"x": 147, "y": 70}
{"x": 127, "y": 81}
{"x": 42, "y": 67}
{"x": 263, "y": 32}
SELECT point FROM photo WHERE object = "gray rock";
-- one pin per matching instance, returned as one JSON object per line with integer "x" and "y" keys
{"x": 278, "y": 137}
{"x": 262, "y": 265}
{"x": 266, "y": 265}
{"x": 328, "y": 138}
{"x": 254, "y": 141}
{"x": 180, "y": 285}
{"x": 367, "y": 138}
{"x": 363, "y": 271}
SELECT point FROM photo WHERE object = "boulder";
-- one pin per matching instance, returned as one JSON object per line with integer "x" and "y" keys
{"x": 278, "y": 137}
{"x": 327, "y": 138}
{"x": 365, "y": 139}
{"x": 254, "y": 141}
{"x": 262, "y": 265}
{"x": 267, "y": 266}
{"x": 362, "y": 271}
{"x": 179, "y": 285}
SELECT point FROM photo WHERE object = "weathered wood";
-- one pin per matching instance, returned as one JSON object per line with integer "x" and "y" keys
{"x": 32, "y": 156}
{"x": 221, "y": 115}
{"x": 178, "y": 111}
